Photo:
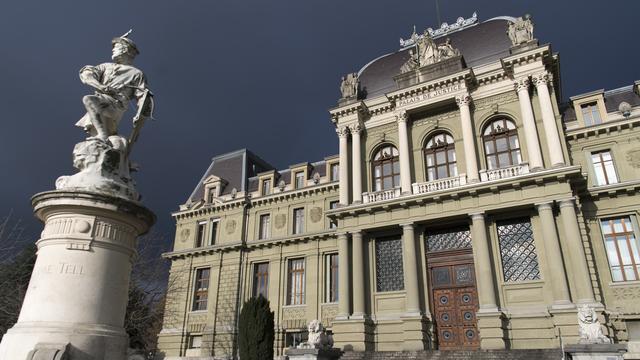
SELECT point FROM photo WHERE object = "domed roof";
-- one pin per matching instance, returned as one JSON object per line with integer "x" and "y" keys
{"x": 479, "y": 44}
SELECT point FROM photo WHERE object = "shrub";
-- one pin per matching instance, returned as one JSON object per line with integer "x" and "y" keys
{"x": 255, "y": 330}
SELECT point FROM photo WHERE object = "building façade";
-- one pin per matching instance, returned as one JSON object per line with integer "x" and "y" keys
{"x": 467, "y": 209}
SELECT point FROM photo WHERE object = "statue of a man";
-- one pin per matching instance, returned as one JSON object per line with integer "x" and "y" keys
{"x": 349, "y": 85}
{"x": 115, "y": 84}
{"x": 521, "y": 31}
{"x": 446, "y": 50}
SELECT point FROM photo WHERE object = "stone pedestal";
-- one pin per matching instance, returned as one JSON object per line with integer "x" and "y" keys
{"x": 531, "y": 44}
{"x": 313, "y": 354}
{"x": 353, "y": 334}
{"x": 77, "y": 295}
{"x": 430, "y": 72}
{"x": 596, "y": 351}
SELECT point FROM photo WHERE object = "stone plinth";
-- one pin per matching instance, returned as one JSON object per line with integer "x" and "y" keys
{"x": 430, "y": 72}
{"x": 531, "y": 44}
{"x": 596, "y": 351}
{"x": 77, "y": 295}
{"x": 313, "y": 354}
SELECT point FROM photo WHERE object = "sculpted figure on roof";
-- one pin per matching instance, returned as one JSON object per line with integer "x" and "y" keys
{"x": 446, "y": 51}
{"x": 521, "y": 31}
{"x": 349, "y": 85}
{"x": 426, "y": 52}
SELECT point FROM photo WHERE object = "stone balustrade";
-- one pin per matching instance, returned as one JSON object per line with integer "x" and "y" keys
{"x": 504, "y": 173}
{"x": 441, "y": 184}
{"x": 375, "y": 196}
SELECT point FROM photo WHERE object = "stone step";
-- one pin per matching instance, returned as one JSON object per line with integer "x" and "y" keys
{"x": 537, "y": 354}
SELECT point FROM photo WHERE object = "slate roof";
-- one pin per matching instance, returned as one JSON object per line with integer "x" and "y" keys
{"x": 479, "y": 44}
{"x": 612, "y": 99}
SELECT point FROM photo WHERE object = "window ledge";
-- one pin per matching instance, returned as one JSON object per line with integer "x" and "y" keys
{"x": 294, "y": 306}
{"x": 613, "y": 188}
{"x": 635, "y": 283}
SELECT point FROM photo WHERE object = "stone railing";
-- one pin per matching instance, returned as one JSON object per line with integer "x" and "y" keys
{"x": 504, "y": 173}
{"x": 441, "y": 184}
{"x": 382, "y": 195}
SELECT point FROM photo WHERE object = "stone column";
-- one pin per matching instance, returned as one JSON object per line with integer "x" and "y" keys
{"x": 483, "y": 264}
{"x": 470, "y": 157}
{"x": 78, "y": 292}
{"x": 344, "y": 285}
{"x": 343, "y": 133}
{"x": 529, "y": 124}
{"x": 358, "y": 274}
{"x": 410, "y": 269}
{"x": 561, "y": 297}
{"x": 578, "y": 260}
{"x": 405, "y": 164}
{"x": 356, "y": 163}
{"x": 556, "y": 155}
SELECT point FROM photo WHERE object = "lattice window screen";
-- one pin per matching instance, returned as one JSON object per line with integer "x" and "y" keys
{"x": 518, "y": 250}
{"x": 389, "y": 271}
{"x": 448, "y": 239}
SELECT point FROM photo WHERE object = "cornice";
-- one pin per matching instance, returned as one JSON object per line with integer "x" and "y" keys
{"x": 210, "y": 208}
{"x": 346, "y": 110}
{"x": 542, "y": 52}
{"x": 464, "y": 76}
{"x": 614, "y": 190}
{"x": 294, "y": 194}
{"x": 605, "y": 128}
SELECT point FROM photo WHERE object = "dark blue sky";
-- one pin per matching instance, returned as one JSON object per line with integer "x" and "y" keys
{"x": 229, "y": 74}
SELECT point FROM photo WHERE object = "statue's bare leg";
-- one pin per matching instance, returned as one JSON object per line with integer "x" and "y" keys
{"x": 93, "y": 104}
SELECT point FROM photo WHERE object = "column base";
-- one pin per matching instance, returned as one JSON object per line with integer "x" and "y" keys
{"x": 566, "y": 323}
{"x": 416, "y": 335}
{"x": 84, "y": 340}
{"x": 491, "y": 329}
{"x": 353, "y": 334}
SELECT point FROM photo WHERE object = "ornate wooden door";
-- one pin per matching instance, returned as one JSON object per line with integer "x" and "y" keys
{"x": 455, "y": 302}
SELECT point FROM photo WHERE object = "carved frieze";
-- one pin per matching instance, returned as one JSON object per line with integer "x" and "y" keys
{"x": 107, "y": 230}
{"x": 329, "y": 313}
{"x": 491, "y": 102}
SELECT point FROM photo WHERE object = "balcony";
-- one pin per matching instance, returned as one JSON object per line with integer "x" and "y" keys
{"x": 382, "y": 195}
{"x": 441, "y": 184}
{"x": 504, "y": 173}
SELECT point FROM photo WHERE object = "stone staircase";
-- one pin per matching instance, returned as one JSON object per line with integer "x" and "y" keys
{"x": 539, "y": 354}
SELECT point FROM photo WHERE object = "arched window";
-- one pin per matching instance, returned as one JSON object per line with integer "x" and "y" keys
{"x": 440, "y": 157}
{"x": 386, "y": 168}
{"x": 501, "y": 145}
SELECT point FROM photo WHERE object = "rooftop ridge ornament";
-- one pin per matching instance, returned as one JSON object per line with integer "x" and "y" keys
{"x": 444, "y": 29}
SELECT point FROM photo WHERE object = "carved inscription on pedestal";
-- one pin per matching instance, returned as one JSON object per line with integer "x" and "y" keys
{"x": 62, "y": 268}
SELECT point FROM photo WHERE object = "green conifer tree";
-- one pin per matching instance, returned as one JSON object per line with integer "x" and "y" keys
{"x": 256, "y": 333}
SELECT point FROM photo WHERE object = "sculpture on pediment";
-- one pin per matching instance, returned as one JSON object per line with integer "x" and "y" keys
{"x": 590, "y": 330}
{"x": 103, "y": 158}
{"x": 426, "y": 52}
{"x": 521, "y": 31}
{"x": 349, "y": 86}
{"x": 446, "y": 51}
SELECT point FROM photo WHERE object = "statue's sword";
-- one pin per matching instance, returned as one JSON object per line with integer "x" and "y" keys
{"x": 145, "y": 110}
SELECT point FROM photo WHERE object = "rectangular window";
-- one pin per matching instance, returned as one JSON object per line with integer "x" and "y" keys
{"x": 622, "y": 248}
{"x": 200, "y": 234}
{"x": 518, "y": 250}
{"x": 264, "y": 232}
{"x": 195, "y": 341}
{"x": 261, "y": 280}
{"x": 299, "y": 179}
{"x": 590, "y": 114}
{"x": 389, "y": 270}
{"x": 333, "y": 223}
{"x": 295, "y": 278}
{"x": 266, "y": 186}
{"x": 331, "y": 278}
{"x": 335, "y": 172}
{"x": 201, "y": 289}
{"x": 212, "y": 194}
{"x": 603, "y": 168}
{"x": 293, "y": 339}
{"x": 213, "y": 232}
{"x": 298, "y": 221}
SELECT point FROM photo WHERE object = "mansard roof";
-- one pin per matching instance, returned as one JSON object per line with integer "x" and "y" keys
{"x": 479, "y": 44}
{"x": 612, "y": 100}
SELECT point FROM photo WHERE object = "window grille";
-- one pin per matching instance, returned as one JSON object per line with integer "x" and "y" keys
{"x": 389, "y": 269}
{"x": 448, "y": 239}
{"x": 518, "y": 250}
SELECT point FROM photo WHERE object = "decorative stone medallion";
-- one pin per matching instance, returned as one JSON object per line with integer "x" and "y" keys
{"x": 633, "y": 157}
{"x": 231, "y": 227}
{"x": 184, "y": 235}
{"x": 315, "y": 214}
{"x": 281, "y": 221}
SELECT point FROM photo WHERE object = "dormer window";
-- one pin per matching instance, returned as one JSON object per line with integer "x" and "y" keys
{"x": 299, "y": 178}
{"x": 212, "y": 189}
{"x": 212, "y": 194}
{"x": 266, "y": 187}
{"x": 591, "y": 114}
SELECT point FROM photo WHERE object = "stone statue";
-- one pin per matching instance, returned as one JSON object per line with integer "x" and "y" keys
{"x": 103, "y": 158}
{"x": 349, "y": 86}
{"x": 318, "y": 338}
{"x": 590, "y": 331}
{"x": 427, "y": 50}
{"x": 411, "y": 64}
{"x": 521, "y": 31}
{"x": 447, "y": 51}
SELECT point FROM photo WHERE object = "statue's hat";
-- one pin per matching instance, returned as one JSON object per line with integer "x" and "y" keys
{"x": 133, "y": 49}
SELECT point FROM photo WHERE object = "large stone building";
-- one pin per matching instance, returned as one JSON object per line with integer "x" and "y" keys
{"x": 468, "y": 208}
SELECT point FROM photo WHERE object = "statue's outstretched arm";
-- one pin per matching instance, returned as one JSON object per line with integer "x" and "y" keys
{"x": 89, "y": 76}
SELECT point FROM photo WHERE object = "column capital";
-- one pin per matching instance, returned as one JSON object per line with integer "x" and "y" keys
{"x": 569, "y": 202}
{"x": 477, "y": 216}
{"x": 463, "y": 100}
{"x": 402, "y": 116}
{"x": 408, "y": 225}
{"x": 356, "y": 233}
{"x": 342, "y": 131}
{"x": 544, "y": 205}
{"x": 342, "y": 235}
{"x": 521, "y": 84}
{"x": 355, "y": 128}
{"x": 541, "y": 78}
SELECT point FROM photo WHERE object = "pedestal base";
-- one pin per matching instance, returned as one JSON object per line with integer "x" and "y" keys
{"x": 353, "y": 334}
{"x": 78, "y": 291}
{"x": 596, "y": 351}
{"x": 313, "y": 354}
{"x": 491, "y": 329}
